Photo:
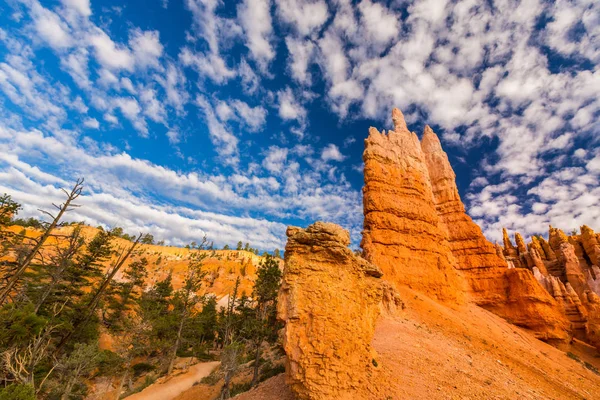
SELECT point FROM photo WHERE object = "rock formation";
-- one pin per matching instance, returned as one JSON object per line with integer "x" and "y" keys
{"x": 402, "y": 230}
{"x": 329, "y": 300}
{"x": 514, "y": 294}
{"x": 565, "y": 267}
{"x": 417, "y": 233}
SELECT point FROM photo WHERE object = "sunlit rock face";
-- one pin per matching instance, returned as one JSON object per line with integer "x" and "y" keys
{"x": 403, "y": 234}
{"x": 513, "y": 294}
{"x": 329, "y": 300}
{"x": 566, "y": 265}
{"x": 417, "y": 231}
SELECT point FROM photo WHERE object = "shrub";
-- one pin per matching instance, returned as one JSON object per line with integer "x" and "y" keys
{"x": 238, "y": 388}
{"x": 141, "y": 368}
{"x": 17, "y": 392}
{"x": 212, "y": 378}
{"x": 270, "y": 370}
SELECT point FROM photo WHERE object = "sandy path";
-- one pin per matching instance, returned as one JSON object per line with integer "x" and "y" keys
{"x": 175, "y": 386}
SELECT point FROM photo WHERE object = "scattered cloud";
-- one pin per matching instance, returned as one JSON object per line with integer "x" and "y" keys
{"x": 332, "y": 153}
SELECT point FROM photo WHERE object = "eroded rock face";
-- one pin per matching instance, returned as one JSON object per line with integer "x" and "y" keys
{"x": 513, "y": 294}
{"x": 329, "y": 300}
{"x": 565, "y": 267}
{"x": 402, "y": 230}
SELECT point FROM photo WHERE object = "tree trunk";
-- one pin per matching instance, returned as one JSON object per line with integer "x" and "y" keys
{"x": 225, "y": 390}
{"x": 121, "y": 384}
{"x": 176, "y": 346}
{"x": 256, "y": 358}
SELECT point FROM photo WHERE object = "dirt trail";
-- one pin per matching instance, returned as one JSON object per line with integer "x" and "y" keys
{"x": 170, "y": 389}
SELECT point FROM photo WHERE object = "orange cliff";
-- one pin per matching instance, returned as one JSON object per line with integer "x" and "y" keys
{"x": 511, "y": 293}
{"x": 402, "y": 231}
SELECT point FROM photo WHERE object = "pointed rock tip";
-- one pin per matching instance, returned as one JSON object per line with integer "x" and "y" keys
{"x": 430, "y": 141}
{"x": 373, "y": 131}
{"x": 398, "y": 119}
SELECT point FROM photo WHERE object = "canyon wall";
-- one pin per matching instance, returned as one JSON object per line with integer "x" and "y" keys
{"x": 418, "y": 234}
{"x": 510, "y": 293}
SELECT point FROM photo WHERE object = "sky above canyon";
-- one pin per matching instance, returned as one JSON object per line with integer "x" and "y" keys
{"x": 236, "y": 119}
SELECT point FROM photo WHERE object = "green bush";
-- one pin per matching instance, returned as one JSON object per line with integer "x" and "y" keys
{"x": 141, "y": 368}
{"x": 238, "y": 388}
{"x": 17, "y": 392}
{"x": 270, "y": 370}
{"x": 212, "y": 378}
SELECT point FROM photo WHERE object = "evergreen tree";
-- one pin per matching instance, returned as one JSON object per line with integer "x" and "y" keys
{"x": 124, "y": 294}
{"x": 260, "y": 320}
{"x": 185, "y": 301}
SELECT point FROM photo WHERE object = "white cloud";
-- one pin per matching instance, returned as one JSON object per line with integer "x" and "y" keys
{"x": 147, "y": 48}
{"x": 91, "y": 123}
{"x": 249, "y": 78}
{"x": 332, "y": 153}
{"x": 306, "y": 16}
{"x": 82, "y": 6}
{"x": 120, "y": 190}
{"x": 110, "y": 54}
{"x": 255, "y": 19}
{"x": 51, "y": 28}
{"x": 216, "y": 32}
{"x": 275, "y": 159}
{"x": 253, "y": 117}
{"x": 209, "y": 65}
{"x": 130, "y": 108}
{"x": 301, "y": 53}
{"x": 76, "y": 64}
{"x": 153, "y": 108}
{"x": 289, "y": 107}
{"x": 111, "y": 119}
{"x": 380, "y": 23}
{"x": 174, "y": 85}
{"x": 174, "y": 137}
{"x": 225, "y": 142}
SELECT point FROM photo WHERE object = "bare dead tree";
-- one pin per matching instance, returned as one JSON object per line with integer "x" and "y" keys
{"x": 62, "y": 208}
{"x": 21, "y": 362}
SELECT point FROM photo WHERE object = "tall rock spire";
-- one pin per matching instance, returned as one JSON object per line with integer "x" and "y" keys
{"x": 491, "y": 284}
{"x": 402, "y": 231}
{"x": 399, "y": 121}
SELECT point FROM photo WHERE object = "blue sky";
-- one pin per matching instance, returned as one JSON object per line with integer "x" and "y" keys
{"x": 236, "y": 119}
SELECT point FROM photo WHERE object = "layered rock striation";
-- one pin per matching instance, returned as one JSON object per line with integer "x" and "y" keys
{"x": 402, "y": 230}
{"x": 416, "y": 229}
{"x": 329, "y": 300}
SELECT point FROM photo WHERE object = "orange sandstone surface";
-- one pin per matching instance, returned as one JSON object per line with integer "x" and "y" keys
{"x": 466, "y": 314}
{"x": 402, "y": 233}
{"x": 329, "y": 300}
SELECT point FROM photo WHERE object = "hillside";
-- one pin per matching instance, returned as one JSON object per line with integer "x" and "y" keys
{"x": 223, "y": 266}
